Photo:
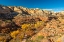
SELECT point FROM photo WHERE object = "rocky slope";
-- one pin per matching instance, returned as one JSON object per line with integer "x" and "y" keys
{"x": 20, "y": 24}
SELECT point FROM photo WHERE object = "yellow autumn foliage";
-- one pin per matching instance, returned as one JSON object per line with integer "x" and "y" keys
{"x": 24, "y": 26}
{"x": 14, "y": 33}
{"x": 21, "y": 36}
{"x": 39, "y": 23}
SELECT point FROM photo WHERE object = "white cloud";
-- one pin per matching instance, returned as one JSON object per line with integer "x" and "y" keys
{"x": 47, "y": 9}
{"x": 55, "y": 9}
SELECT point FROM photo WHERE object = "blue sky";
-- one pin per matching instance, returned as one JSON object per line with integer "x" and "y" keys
{"x": 56, "y": 5}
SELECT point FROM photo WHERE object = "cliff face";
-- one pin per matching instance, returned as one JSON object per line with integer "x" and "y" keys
{"x": 19, "y": 24}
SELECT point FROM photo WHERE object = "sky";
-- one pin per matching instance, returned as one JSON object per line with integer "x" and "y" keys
{"x": 56, "y": 5}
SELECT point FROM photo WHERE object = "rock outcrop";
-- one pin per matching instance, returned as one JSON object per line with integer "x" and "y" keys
{"x": 20, "y": 24}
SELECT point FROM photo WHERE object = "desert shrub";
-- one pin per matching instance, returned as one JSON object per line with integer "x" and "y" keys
{"x": 38, "y": 39}
{"x": 24, "y": 26}
{"x": 39, "y": 23}
{"x": 1, "y": 38}
{"x": 29, "y": 32}
{"x": 59, "y": 40}
{"x": 7, "y": 20}
{"x": 29, "y": 29}
{"x": 14, "y": 33}
{"x": 1, "y": 22}
{"x": 21, "y": 36}
{"x": 36, "y": 25}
